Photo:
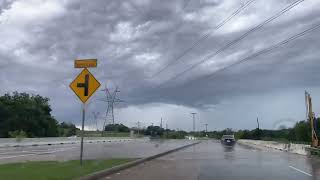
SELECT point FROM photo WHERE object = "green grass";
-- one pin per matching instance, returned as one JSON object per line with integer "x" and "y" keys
{"x": 116, "y": 134}
{"x": 52, "y": 170}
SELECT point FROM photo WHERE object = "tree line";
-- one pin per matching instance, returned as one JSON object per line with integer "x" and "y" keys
{"x": 159, "y": 132}
{"x": 24, "y": 115}
{"x": 152, "y": 131}
{"x": 27, "y": 115}
{"x": 300, "y": 132}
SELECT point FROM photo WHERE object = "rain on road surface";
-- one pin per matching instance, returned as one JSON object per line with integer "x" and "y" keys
{"x": 136, "y": 148}
{"x": 209, "y": 160}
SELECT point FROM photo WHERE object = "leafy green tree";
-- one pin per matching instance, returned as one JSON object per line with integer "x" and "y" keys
{"x": 117, "y": 128}
{"x": 302, "y": 131}
{"x": 67, "y": 129}
{"x": 28, "y": 113}
{"x": 154, "y": 131}
{"x": 256, "y": 134}
{"x": 172, "y": 134}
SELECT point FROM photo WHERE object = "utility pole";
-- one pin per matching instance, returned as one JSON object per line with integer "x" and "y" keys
{"x": 167, "y": 130}
{"x": 161, "y": 123}
{"x": 138, "y": 128}
{"x": 258, "y": 123}
{"x": 306, "y": 94}
{"x": 206, "y": 127}
{"x": 194, "y": 121}
{"x": 95, "y": 117}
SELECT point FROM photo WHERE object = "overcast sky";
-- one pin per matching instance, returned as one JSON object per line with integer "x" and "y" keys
{"x": 133, "y": 40}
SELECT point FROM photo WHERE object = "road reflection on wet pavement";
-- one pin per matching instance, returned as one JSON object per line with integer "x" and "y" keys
{"x": 210, "y": 160}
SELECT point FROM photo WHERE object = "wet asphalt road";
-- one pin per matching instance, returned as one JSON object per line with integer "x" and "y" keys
{"x": 136, "y": 148}
{"x": 209, "y": 161}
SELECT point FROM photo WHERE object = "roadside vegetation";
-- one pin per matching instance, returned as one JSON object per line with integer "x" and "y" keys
{"x": 116, "y": 128}
{"x": 299, "y": 133}
{"x": 23, "y": 115}
{"x": 49, "y": 170}
{"x": 158, "y": 132}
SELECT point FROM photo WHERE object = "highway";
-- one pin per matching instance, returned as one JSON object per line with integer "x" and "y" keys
{"x": 136, "y": 148}
{"x": 209, "y": 160}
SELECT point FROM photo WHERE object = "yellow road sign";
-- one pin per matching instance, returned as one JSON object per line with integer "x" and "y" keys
{"x": 85, "y": 63}
{"x": 84, "y": 85}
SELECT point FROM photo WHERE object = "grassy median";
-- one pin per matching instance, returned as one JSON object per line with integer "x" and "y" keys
{"x": 50, "y": 170}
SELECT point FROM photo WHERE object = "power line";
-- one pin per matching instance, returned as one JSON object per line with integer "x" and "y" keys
{"x": 235, "y": 41}
{"x": 264, "y": 51}
{"x": 202, "y": 38}
{"x": 186, "y": 3}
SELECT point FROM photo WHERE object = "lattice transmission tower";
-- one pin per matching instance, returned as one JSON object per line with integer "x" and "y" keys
{"x": 111, "y": 99}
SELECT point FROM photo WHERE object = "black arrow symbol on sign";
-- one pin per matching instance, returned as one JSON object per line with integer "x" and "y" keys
{"x": 85, "y": 85}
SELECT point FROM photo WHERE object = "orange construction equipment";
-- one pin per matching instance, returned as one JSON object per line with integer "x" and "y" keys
{"x": 311, "y": 117}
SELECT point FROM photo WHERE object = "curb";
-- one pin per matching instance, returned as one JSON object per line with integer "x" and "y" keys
{"x": 103, "y": 173}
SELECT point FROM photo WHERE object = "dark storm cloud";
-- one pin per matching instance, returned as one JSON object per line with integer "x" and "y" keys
{"x": 5, "y": 4}
{"x": 288, "y": 67}
{"x": 134, "y": 39}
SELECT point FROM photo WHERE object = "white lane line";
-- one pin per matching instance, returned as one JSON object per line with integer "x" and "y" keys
{"x": 300, "y": 171}
{"x": 26, "y": 152}
{"x": 8, "y": 157}
{"x": 48, "y": 152}
{"x": 55, "y": 150}
{"x": 15, "y": 152}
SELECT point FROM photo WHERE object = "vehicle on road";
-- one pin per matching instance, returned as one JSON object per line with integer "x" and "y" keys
{"x": 228, "y": 140}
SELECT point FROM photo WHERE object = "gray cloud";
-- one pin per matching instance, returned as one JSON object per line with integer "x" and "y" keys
{"x": 134, "y": 39}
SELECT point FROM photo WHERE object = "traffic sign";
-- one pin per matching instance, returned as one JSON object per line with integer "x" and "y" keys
{"x": 84, "y": 85}
{"x": 85, "y": 63}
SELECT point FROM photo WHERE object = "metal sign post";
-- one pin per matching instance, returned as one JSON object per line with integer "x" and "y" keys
{"x": 84, "y": 85}
{"x": 82, "y": 131}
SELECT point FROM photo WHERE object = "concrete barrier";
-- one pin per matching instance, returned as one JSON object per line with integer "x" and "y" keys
{"x": 287, "y": 147}
{"x": 12, "y": 142}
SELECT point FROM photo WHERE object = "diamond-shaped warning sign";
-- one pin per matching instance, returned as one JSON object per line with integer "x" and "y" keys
{"x": 84, "y": 85}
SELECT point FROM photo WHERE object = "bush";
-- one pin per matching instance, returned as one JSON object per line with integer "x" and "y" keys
{"x": 154, "y": 131}
{"x": 19, "y": 135}
{"x": 117, "y": 128}
{"x": 67, "y": 129}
